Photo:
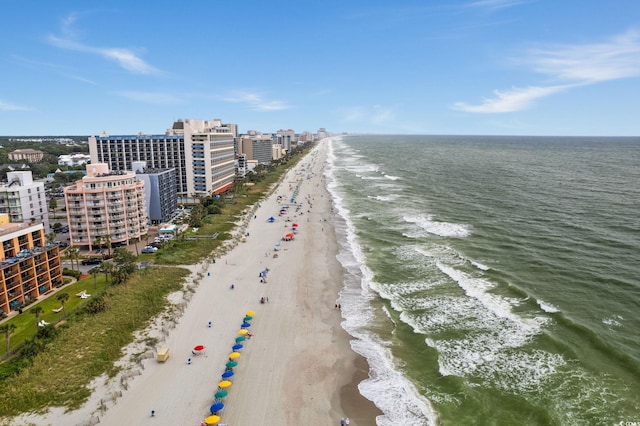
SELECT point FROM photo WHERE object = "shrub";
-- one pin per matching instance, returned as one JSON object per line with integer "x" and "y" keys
{"x": 31, "y": 348}
{"x": 72, "y": 273}
{"x": 96, "y": 305}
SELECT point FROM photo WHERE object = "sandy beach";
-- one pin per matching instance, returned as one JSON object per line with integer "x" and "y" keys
{"x": 296, "y": 369}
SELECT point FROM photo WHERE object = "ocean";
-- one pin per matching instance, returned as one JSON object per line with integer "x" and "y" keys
{"x": 492, "y": 280}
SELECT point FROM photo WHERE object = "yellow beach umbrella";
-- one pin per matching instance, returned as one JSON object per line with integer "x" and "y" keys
{"x": 212, "y": 420}
{"x": 234, "y": 355}
{"x": 242, "y": 332}
{"x": 224, "y": 384}
{"x": 251, "y": 313}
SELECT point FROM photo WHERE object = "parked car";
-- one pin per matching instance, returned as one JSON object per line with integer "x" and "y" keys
{"x": 149, "y": 250}
{"x": 92, "y": 261}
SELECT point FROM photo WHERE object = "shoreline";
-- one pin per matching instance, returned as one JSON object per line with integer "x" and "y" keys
{"x": 298, "y": 368}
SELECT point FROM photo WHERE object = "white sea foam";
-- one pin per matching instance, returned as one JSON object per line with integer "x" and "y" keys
{"x": 479, "y": 265}
{"x": 392, "y": 177}
{"x": 442, "y": 229}
{"x": 398, "y": 399}
{"x": 613, "y": 321}
{"x": 388, "y": 197}
{"x": 547, "y": 307}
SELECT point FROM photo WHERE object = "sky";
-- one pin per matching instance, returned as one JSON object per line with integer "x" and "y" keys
{"x": 488, "y": 67}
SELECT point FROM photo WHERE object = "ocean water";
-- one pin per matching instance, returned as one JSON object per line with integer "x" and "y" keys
{"x": 492, "y": 280}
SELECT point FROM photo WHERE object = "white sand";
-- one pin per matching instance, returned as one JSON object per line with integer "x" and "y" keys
{"x": 297, "y": 369}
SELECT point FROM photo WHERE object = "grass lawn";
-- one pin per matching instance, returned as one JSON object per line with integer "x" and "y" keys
{"x": 26, "y": 322}
{"x": 89, "y": 345}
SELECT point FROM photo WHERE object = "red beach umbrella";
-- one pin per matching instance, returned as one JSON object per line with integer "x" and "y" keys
{"x": 198, "y": 348}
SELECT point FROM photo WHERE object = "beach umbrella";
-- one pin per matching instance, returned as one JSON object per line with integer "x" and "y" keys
{"x": 234, "y": 355}
{"x": 216, "y": 407}
{"x": 236, "y": 346}
{"x": 245, "y": 325}
{"x": 250, "y": 313}
{"x": 295, "y": 225}
{"x": 227, "y": 374}
{"x": 220, "y": 394}
{"x": 231, "y": 364}
{"x": 212, "y": 420}
{"x": 247, "y": 318}
{"x": 224, "y": 384}
{"x": 198, "y": 348}
{"x": 240, "y": 339}
{"x": 242, "y": 332}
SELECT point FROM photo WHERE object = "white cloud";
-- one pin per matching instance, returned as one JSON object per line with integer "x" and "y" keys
{"x": 6, "y": 106}
{"x": 515, "y": 99}
{"x": 150, "y": 97}
{"x": 590, "y": 63}
{"x": 571, "y": 66}
{"x": 125, "y": 58}
{"x": 256, "y": 101}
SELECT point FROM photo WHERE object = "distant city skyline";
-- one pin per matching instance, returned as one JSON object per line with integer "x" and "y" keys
{"x": 487, "y": 67}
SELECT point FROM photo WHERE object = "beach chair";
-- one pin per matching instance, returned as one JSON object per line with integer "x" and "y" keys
{"x": 58, "y": 310}
{"x": 82, "y": 293}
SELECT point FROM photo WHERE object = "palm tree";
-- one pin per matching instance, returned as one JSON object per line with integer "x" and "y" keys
{"x": 107, "y": 268}
{"x": 107, "y": 241}
{"x": 97, "y": 243}
{"x": 7, "y": 329}
{"x": 62, "y": 298}
{"x": 94, "y": 271}
{"x": 73, "y": 253}
{"x": 37, "y": 310}
{"x": 135, "y": 243}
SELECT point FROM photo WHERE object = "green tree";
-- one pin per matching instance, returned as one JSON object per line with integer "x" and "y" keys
{"x": 53, "y": 205}
{"x": 124, "y": 260}
{"x": 62, "y": 298}
{"x": 107, "y": 268}
{"x": 7, "y": 329}
{"x": 135, "y": 241}
{"x": 107, "y": 241}
{"x": 94, "y": 271}
{"x": 37, "y": 310}
{"x": 73, "y": 253}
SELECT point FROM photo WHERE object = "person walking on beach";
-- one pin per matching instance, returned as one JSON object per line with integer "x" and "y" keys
{"x": 342, "y": 421}
{"x": 346, "y": 421}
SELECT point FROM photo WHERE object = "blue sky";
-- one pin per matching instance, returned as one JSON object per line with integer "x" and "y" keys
{"x": 503, "y": 67}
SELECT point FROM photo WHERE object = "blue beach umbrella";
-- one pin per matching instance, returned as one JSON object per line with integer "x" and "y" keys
{"x": 227, "y": 374}
{"x": 237, "y": 346}
{"x": 245, "y": 325}
{"x": 216, "y": 407}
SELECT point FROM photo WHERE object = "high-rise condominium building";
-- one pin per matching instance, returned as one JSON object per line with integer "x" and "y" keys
{"x": 201, "y": 151}
{"x": 159, "y": 191}
{"x": 23, "y": 199}
{"x": 105, "y": 206}
{"x": 29, "y": 266}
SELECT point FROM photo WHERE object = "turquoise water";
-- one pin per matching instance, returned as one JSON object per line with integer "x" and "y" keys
{"x": 492, "y": 280}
